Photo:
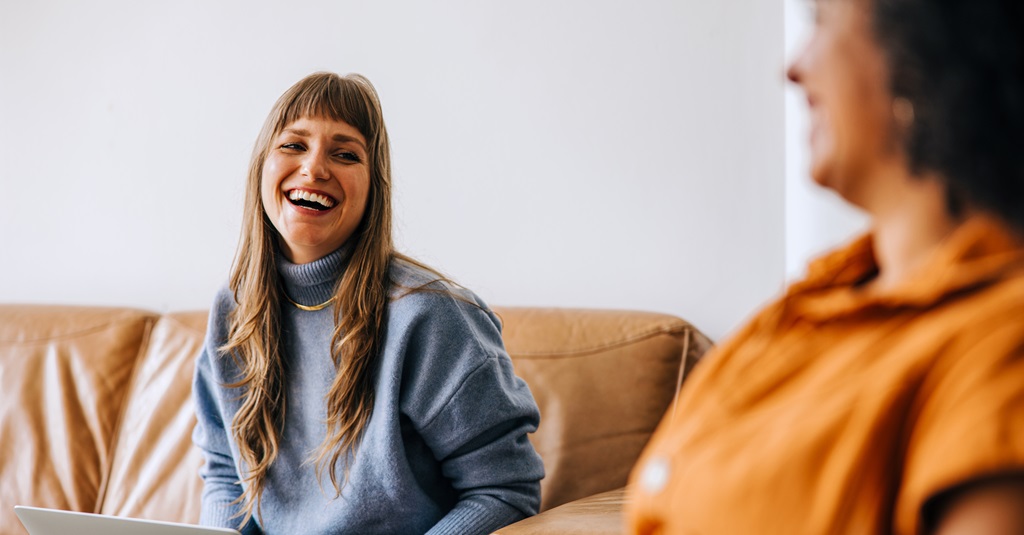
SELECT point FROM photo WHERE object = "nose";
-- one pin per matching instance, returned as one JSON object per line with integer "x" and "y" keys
{"x": 792, "y": 74}
{"x": 794, "y": 71}
{"x": 797, "y": 67}
{"x": 314, "y": 165}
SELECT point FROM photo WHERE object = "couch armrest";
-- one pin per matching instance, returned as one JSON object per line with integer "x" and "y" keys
{"x": 594, "y": 515}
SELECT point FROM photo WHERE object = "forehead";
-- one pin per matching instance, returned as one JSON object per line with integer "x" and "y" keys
{"x": 322, "y": 126}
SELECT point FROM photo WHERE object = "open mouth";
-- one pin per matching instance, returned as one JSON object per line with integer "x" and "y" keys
{"x": 313, "y": 201}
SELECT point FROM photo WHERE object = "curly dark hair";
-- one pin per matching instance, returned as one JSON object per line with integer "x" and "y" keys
{"x": 960, "y": 63}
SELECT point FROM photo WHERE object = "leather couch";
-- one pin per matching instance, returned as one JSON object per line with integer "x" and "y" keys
{"x": 96, "y": 413}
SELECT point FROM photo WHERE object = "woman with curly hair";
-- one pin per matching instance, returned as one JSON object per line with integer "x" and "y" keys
{"x": 342, "y": 386}
{"x": 884, "y": 393}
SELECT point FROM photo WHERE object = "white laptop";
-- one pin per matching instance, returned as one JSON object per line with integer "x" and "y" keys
{"x": 40, "y": 521}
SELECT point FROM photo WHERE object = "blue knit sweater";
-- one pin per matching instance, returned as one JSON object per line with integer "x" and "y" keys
{"x": 445, "y": 451}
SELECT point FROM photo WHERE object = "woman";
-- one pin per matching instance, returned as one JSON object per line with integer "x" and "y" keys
{"x": 884, "y": 393}
{"x": 343, "y": 387}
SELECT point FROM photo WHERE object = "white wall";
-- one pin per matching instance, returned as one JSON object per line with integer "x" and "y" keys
{"x": 567, "y": 153}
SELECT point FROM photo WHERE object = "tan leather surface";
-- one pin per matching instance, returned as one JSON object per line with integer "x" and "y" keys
{"x": 64, "y": 373}
{"x": 603, "y": 380}
{"x": 596, "y": 515}
{"x": 85, "y": 428}
{"x": 154, "y": 473}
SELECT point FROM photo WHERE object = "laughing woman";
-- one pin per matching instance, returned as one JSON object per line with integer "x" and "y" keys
{"x": 884, "y": 393}
{"x": 343, "y": 387}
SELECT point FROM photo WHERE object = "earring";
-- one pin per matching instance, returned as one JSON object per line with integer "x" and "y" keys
{"x": 903, "y": 112}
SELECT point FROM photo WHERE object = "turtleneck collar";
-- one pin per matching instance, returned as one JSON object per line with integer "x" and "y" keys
{"x": 313, "y": 283}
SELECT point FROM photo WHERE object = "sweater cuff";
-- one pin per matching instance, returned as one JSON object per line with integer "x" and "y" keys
{"x": 479, "y": 515}
{"x": 221, "y": 515}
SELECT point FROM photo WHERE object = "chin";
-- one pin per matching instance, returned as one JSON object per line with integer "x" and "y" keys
{"x": 820, "y": 175}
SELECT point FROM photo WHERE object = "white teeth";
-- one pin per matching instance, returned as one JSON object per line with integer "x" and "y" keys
{"x": 322, "y": 200}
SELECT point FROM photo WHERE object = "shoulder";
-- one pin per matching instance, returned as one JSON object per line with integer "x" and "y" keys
{"x": 971, "y": 342}
{"x": 418, "y": 291}
{"x": 427, "y": 310}
{"x": 994, "y": 311}
{"x": 224, "y": 299}
{"x": 968, "y": 418}
{"x": 407, "y": 275}
{"x": 223, "y": 302}
{"x": 220, "y": 313}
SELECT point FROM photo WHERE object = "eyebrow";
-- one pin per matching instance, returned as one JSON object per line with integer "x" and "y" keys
{"x": 340, "y": 138}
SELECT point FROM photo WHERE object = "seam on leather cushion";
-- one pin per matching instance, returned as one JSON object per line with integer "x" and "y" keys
{"x": 580, "y": 443}
{"x": 143, "y": 316}
{"x": 115, "y": 435}
{"x": 645, "y": 335}
{"x": 178, "y": 319}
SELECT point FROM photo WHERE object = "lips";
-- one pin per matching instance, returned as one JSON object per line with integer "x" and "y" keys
{"x": 311, "y": 200}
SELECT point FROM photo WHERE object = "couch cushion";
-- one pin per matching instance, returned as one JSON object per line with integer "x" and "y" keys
{"x": 64, "y": 372}
{"x": 601, "y": 514}
{"x": 155, "y": 469}
{"x": 602, "y": 379}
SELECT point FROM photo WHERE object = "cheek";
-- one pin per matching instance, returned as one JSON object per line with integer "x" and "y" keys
{"x": 266, "y": 194}
{"x": 863, "y": 120}
{"x": 358, "y": 192}
{"x": 268, "y": 180}
{"x": 365, "y": 195}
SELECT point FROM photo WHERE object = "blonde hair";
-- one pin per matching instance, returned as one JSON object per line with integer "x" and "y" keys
{"x": 363, "y": 293}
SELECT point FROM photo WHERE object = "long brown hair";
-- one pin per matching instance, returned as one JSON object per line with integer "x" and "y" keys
{"x": 363, "y": 293}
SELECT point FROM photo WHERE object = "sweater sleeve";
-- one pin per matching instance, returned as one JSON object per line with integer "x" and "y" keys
{"x": 474, "y": 414}
{"x": 220, "y": 478}
{"x": 971, "y": 423}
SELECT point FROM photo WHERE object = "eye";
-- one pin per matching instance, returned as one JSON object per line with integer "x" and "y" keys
{"x": 293, "y": 146}
{"x": 347, "y": 156}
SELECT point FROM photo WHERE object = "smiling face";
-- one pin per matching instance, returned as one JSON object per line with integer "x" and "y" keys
{"x": 314, "y": 186}
{"x": 844, "y": 74}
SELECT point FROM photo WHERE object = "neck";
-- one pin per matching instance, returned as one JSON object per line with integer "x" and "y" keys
{"x": 910, "y": 223}
{"x": 311, "y": 286}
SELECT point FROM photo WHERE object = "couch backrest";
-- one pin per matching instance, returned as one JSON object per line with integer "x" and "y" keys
{"x": 64, "y": 373}
{"x": 154, "y": 469}
{"x": 96, "y": 413}
{"x": 602, "y": 379}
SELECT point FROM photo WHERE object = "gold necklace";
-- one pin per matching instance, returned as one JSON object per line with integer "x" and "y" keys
{"x": 308, "y": 308}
